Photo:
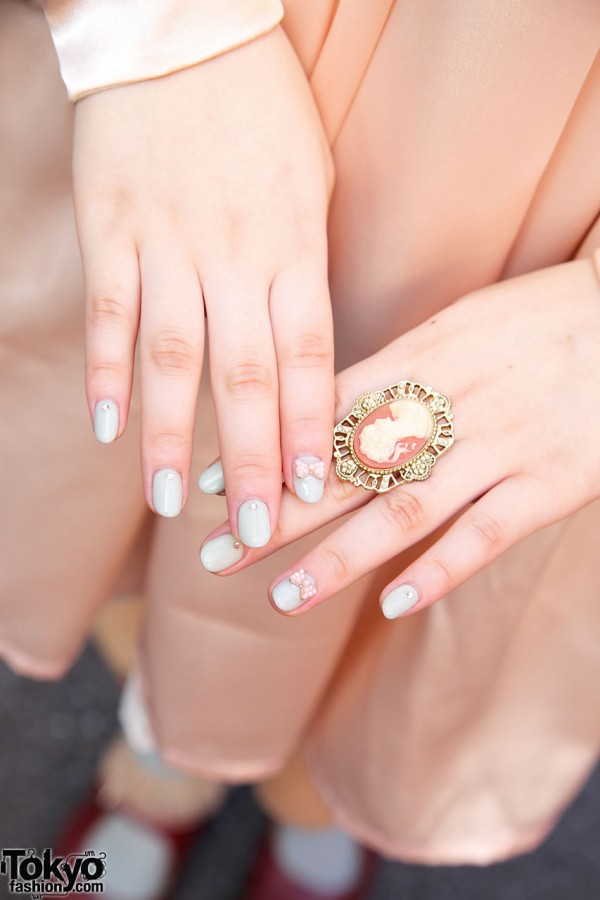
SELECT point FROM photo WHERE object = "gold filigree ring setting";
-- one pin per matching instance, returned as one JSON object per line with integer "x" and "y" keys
{"x": 393, "y": 436}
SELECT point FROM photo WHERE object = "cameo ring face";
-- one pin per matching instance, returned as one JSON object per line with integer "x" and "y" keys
{"x": 393, "y": 436}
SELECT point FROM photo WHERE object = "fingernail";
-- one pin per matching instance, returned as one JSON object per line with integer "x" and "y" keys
{"x": 211, "y": 481}
{"x": 399, "y": 601}
{"x": 309, "y": 478}
{"x": 167, "y": 492}
{"x": 291, "y": 593}
{"x": 221, "y": 552}
{"x": 254, "y": 523}
{"x": 106, "y": 421}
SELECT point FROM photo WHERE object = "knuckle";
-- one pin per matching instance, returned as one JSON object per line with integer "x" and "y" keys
{"x": 105, "y": 309}
{"x": 442, "y": 576}
{"x": 308, "y": 424}
{"x": 253, "y": 468}
{"x": 166, "y": 437}
{"x": 159, "y": 440}
{"x": 171, "y": 352}
{"x": 254, "y": 380}
{"x": 310, "y": 351}
{"x": 107, "y": 371}
{"x": 488, "y": 532}
{"x": 404, "y": 509}
{"x": 339, "y": 563}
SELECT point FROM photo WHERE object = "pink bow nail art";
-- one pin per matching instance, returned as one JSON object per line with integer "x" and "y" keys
{"x": 304, "y": 582}
{"x": 304, "y": 469}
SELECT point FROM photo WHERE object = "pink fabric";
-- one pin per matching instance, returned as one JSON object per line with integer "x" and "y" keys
{"x": 465, "y": 142}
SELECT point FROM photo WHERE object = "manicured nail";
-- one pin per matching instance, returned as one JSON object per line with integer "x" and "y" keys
{"x": 167, "y": 492}
{"x": 291, "y": 593}
{"x": 309, "y": 478}
{"x": 211, "y": 481}
{"x": 221, "y": 552}
{"x": 106, "y": 421}
{"x": 399, "y": 601}
{"x": 254, "y": 523}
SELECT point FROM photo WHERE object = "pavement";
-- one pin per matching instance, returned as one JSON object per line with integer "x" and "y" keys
{"x": 52, "y": 735}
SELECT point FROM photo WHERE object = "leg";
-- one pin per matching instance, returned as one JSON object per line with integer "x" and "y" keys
{"x": 290, "y": 798}
{"x": 305, "y": 854}
{"x": 141, "y": 781}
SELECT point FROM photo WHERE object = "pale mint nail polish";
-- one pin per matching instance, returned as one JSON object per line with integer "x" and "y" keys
{"x": 211, "y": 481}
{"x": 293, "y": 591}
{"x": 309, "y": 478}
{"x": 254, "y": 523}
{"x": 167, "y": 492}
{"x": 399, "y": 601}
{"x": 106, "y": 421}
{"x": 221, "y": 553}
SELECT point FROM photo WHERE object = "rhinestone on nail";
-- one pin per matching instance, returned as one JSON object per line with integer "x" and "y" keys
{"x": 105, "y": 407}
{"x": 254, "y": 506}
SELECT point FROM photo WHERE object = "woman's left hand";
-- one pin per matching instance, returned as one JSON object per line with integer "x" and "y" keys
{"x": 520, "y": 362}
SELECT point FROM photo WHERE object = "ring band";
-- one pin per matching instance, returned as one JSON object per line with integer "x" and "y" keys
{"x": 393, "y": 436}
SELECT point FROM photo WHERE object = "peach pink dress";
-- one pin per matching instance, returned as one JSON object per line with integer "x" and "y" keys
{"x": 465, "y": 140}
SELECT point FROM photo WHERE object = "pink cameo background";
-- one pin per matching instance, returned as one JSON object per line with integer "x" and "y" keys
{"x": 393, "y": 434}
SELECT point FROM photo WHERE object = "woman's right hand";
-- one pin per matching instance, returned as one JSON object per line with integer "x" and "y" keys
{"x": 519, "y": 361}
{"x": 207, "y": 189}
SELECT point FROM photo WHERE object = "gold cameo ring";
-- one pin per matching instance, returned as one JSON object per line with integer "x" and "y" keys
{"x": 393, "y": 436}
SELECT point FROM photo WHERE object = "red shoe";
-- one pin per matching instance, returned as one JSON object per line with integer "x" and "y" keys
{"x": 268, "y": 882}
{"x": 145, "y": 855}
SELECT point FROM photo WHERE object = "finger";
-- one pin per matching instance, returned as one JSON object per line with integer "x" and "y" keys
{"x": 297, "y": 519}
{"x": 171, "y": 350}
{"x": 224, "y": 555}
{"x": 111, "y": 325}
{"x": 478, "y": 537}
{"x": 212, "y": 480}
{"x": 387, "y": 525}
{"x": 245, "y": 390}
{"x": 303, "y": 332}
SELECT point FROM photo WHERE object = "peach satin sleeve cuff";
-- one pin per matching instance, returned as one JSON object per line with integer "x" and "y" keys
{"x": 103, "y": 43}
